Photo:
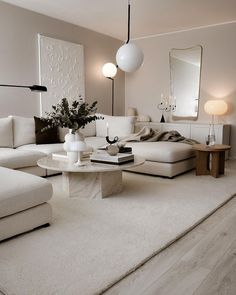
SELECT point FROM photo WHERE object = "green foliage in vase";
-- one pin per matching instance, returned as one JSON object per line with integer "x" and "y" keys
{"x": 73, "y": 117}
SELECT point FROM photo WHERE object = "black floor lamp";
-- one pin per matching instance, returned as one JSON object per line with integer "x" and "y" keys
{"x": 35, "y": 88}
{"x": 109, "y": 71}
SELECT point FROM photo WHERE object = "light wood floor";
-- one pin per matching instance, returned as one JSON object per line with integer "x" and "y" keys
{"x": 203, "y": 262}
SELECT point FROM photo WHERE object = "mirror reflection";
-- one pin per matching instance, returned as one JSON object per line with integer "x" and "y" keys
{"x": 185, "y": 72}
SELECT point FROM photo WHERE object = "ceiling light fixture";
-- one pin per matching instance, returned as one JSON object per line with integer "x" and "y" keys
{"x": 129, "y": 57}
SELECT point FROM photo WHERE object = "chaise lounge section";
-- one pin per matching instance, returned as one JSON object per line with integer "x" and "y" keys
{"x": 23, "y": 202}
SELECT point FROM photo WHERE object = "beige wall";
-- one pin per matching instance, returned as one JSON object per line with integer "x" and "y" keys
{"x": 19, "y": 60}
{"x": 143, "y": 88}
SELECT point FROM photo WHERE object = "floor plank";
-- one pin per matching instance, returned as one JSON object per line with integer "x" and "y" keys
{"x": 187, "y": 262}
{"x": 186, "y": 275}
{"x": 222, "y": 280}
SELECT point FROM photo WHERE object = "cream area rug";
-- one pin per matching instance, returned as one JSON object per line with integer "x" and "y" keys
{"x": 91, "y": 244}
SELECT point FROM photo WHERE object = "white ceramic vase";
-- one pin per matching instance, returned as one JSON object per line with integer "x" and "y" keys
{"x": 74, "y": 145}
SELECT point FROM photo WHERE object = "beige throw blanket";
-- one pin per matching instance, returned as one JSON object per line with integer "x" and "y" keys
{"x": 148, "y": 134}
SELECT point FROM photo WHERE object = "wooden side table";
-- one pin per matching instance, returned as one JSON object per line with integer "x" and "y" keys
{"x": 216, "y": 166}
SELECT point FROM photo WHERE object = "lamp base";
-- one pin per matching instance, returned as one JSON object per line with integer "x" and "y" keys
{"x": 211, "y": 136}
{"x": 79, "y": 163}
{"x": 211, "y": 140}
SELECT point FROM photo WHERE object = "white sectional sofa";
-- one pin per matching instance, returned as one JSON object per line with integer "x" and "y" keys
{"x": 19, "y": 151}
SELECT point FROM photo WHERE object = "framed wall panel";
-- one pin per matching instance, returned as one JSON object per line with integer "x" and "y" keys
{"x": 61, "y": 70}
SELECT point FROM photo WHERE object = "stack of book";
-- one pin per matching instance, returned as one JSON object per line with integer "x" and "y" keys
{"x": 122, "y": 149}
{"x": 104, "y": 157}
{"x": 63, "y": 155}
{"x": 59, "y": 156}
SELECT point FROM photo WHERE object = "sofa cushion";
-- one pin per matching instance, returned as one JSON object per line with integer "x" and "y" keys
{"x": 16, "y": 159}
{"x": 120, "y": 126}
{"x": 23, "y": 130}
{"x": 20, "y": 191}
{"x": 45, "y": 136}
{"x": 46, "y": 149}
{"x": 89, "y": 129}
{"x": 162, "y": 151}
{"x": 6, "y": 135}
{"x": 62, "y": 133}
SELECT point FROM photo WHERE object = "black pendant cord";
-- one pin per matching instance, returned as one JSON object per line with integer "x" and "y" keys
{"x": 128, "y": 23}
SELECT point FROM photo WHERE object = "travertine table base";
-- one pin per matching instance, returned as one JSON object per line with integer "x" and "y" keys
{"x": 92, "y": 185}
{"x": 91, "y": 180}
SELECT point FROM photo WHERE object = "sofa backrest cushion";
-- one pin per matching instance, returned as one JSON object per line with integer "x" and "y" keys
{"x": 120, "y": 126}
{"x": 23, "y": 130}
{"x": 89, "y": 129}
{"x": 62, "y": 133}
{"x": 6, "y": 135}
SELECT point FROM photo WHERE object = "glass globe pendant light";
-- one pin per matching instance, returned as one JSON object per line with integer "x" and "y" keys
{"x": 129, "y": 57}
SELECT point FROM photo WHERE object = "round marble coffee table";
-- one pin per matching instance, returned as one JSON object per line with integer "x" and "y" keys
{"x": 93, "y": 180}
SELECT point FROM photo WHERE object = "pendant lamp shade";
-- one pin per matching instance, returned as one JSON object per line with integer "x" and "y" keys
{"x": 129, "y": 57}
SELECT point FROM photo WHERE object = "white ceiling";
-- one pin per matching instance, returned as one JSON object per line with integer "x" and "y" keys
{"x": 148, "y": 17}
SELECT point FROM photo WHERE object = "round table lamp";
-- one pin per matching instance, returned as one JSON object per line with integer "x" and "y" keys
{"x": 78, "y": 147}
{"x": 216, "y": 107}
{"x": 213, "y": 108}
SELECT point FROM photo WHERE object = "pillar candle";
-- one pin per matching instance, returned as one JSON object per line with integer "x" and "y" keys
{"x": 107, "y": 129}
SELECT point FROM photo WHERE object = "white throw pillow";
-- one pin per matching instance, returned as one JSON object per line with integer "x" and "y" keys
{"x": 23, "y": 130}
{"x": 6, "y": 134}
{"x": 120, "y": 126}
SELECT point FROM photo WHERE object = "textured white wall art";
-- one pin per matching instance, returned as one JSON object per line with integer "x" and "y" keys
{"x": 61, "y": 70}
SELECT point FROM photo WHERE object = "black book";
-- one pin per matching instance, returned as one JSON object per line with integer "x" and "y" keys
{"x": 125, "y": 149}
